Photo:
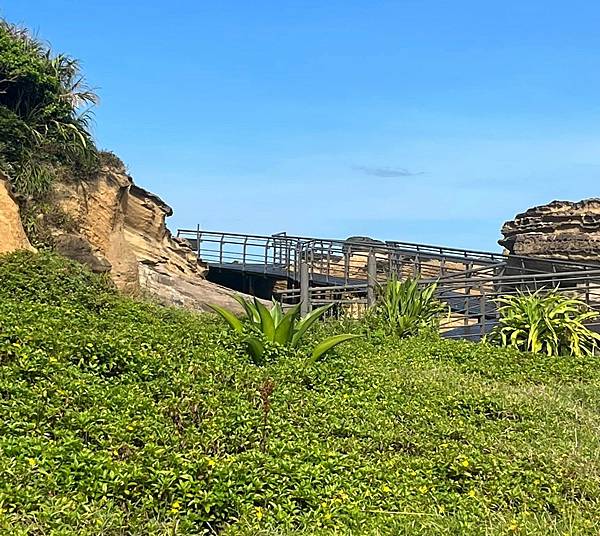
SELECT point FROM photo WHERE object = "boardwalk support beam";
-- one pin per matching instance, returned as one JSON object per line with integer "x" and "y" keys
{"x": 304, "y": 286}
{"x": 371, "y": 278}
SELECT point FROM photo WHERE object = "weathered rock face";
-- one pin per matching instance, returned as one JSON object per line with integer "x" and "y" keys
{"x": 562, "y": 229}
{"x": 120, "y": 228}
{"x": 12, "y": 234}
{"x": 361, "y": 243}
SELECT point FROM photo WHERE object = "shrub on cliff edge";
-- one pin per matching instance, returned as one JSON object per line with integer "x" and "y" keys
{"x": 44, "y": 115}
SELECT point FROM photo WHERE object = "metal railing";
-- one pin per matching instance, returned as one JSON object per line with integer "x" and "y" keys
{"x": 346, "y": 299}
{"x": 335, "y": 262}
{"x": 472, "y": 302}
{"x": 268, "y": 255}
{"x": 347, "y": 273}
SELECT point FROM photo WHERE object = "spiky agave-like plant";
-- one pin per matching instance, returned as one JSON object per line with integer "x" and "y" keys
{"x": 407, "y": 307}
{"x": 545, "y": 322}
{"x": 274, "y": 326}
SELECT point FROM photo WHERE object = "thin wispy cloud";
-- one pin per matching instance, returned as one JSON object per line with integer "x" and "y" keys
{"x": 387, "y": 172}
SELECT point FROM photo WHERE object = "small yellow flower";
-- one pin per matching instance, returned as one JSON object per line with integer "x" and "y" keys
{"x": 513, "y": 526}
{"x": 259, "y": 513}
{"x": 324, "y": 504}
{"x": 465, "y": 463}
{"x": 130, "y": 428}
{"x": 441, "y": 509}
{"x": 444, "y": 445}
{"x": 211, "y": 463}
{"x": 472, "y": 493}
{"x": 423, "y": 489}
{"x": 176, "y": 505}
{"x": 328, "y": 516}
{"x": 386, "y": 489}
{"x": 31, "y": 462}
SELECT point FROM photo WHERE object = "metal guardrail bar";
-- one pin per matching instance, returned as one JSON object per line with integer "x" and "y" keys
{"x": 558, "y": 276}
{"x": 396, "y": 246}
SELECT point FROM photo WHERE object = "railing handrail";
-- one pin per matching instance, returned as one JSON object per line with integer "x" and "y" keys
{"x": 535, "y": 278}
{"x": 395, "y": 246}
{"x": 383, "y": 244}
{"x": 579, "y": 276}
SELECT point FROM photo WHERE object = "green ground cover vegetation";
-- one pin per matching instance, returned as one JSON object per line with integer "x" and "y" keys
{"x": 124, "y": 417}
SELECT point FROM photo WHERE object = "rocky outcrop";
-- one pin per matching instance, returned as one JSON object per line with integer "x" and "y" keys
{"x": 12, "y": 234}
{"x": 361, "y": 243}
{"x": 117, "y": 227}
{"x": 561, "y": 229}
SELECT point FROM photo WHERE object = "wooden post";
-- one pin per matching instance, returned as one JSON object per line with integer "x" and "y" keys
{"x": 304, "y": 295}
{"x": 371, "y": 278}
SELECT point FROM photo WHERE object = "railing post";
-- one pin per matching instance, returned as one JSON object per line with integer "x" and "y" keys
{"x": 482, "y": 309}
{"x": 198, "y": 241}
{"x": 244, "y": 253}
{"x": 297, "y": 260}
{"x": 587, "y": 289}
{"x": 347, "y": 258}
{"x": 304, "y": 294}
{"x": 371, "y": 278}
{"x": 266, "y": 256}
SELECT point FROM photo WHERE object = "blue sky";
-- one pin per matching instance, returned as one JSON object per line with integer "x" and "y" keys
{"x": 430, "y": 121}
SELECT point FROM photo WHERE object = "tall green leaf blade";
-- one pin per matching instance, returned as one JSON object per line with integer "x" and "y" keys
{"x": 256, "y": 348}
{"x": 327, "y": 345}
{"x": 285, "y": 330}
{"x": 251, "y": 312}
{"x": 276, "y": 313}
{"x": 266, "y": 321}
{"x": 229, "y": 317}
{"x": 305, "y": 323}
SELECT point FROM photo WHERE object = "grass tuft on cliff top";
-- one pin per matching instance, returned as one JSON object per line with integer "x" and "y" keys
{"x": 121, "y": 417}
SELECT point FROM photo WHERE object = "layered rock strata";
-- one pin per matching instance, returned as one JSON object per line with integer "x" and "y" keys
{"x": 560, "y": 229}
{"x": 117, "y": 227}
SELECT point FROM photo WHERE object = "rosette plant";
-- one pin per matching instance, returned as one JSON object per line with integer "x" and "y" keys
{"x": 546, "y": 322}
{"x": 263, "y": 327}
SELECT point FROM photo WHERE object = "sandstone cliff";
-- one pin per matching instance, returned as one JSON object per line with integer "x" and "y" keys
{"x": 117, "y": 227}
{"x": 12, "y": 234}
{"x": 562, "y": 229}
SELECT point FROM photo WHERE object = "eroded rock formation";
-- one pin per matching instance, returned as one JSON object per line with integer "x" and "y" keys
{"x": 114, "y": 226}
{"x": 561, "y": 229}
{"x": 12, "y": 234}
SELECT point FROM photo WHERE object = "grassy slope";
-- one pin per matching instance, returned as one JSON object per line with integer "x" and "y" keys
{"x": 118, "y": 417}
